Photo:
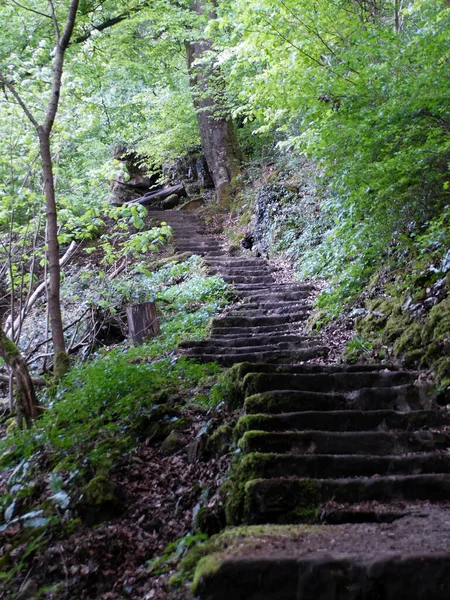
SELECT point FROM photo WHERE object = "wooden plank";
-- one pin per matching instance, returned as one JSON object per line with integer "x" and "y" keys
{"x": 142, "y": 321}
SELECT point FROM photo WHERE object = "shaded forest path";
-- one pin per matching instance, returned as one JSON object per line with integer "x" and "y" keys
{"x": 359, "y": 453}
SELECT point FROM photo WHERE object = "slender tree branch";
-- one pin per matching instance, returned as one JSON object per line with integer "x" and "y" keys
{"x": 58, "y": 68}
{"x": 317, "y": 61}
{"x": 105, "y": 25}
{"x": 35, "y": 380}
{"x": 55, "y": 21}
{"x": 19, "y": 99}
{"x": 36, "y": 12}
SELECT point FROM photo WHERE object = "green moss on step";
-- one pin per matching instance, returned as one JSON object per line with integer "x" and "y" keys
{"x": 246, "y": 468}
{"x": 230, "y": 541}
{"x": 245, "y": 441}
{"x": 229, "y": 388}
{"x": 208, "y": 566}
{"x": 307, "y": 509}
{"x": 253, "y": 383}
{"x": 263, "y": 403}
{"x": 175, "y": 258}
{"x": 251, "y": 422}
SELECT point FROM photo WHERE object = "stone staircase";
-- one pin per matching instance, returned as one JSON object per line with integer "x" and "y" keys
{"x": 358, "y": 453}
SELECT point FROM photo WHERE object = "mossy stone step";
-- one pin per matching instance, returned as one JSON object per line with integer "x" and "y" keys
{"x": 229, "y": 349}
{"x": 285, "y": 328}
{"x": 389, "y": 576}
{"x": 197, "y": 243}
{"x": 323, "y": 382}
{"x": 268, "y": 321}
{"x": 276, "y": 287}
{"x": 248, "y": 279}
{"x": 269, "y": 306}
{"x": 403, "y": 397}
{"x": 239, "y": 269}
{"x": 259, "y": 465}
{"x": 348, "y": 442}
{"x": 274, "y": 296}
{"x": 230, "y": 359}
{"x": 236, "y": 262}
{"x": 343, "y": 420}
{"x": 297, "y": 500}
{"x": 257, "y": 340}
{"x": 248, "y": 347}
{"x": 279, "y": 311}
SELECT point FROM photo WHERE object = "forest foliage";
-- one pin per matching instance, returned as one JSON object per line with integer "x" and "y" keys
{"x": 360, "y": 87}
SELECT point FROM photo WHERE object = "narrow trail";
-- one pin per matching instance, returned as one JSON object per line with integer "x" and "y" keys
{"x": 359, "y": 453}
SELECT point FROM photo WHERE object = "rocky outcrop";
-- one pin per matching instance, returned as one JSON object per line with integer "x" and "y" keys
{"x": 134, "y": 178}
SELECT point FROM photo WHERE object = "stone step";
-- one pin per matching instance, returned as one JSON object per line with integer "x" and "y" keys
{"x": 278, "y": 288}
{"x": 404, "y": 397}
{"x": 247, "y": 279}
{"x": 379, "y": 443}
{"x": 251, "y": 348}
{"x": 323, "y": 382}
{"x": 298, "y": 355}
{"x": 343, "y": 420}
{"x": 268, "y": 321}
{"x": 259, "y": 340}
{"x": 296, "y": 500}
{"x": 268, "y": 305}
{"x": 248, "y": 272}
{"x": 289, "y": 309}
{"x": 186, "y": 230}
{"x": 328, "y": 369}
{"x": 286, "y": 328}
{"x": 270, "y": 296}
{"x": 200, "y": 241}
{"x": 185, "y": 247}
{"x": 228, "y": 262}
{"x": 325, "y": 575}
{"x": 337, "y": 466}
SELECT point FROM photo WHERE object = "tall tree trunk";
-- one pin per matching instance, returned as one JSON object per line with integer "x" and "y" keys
{"x": 27, "y": 405}
{"x": 397, "y": 23}
{"x": 44, "y": 130}
{"x": 53, "y": 294}
{"x": 219, "y": 142}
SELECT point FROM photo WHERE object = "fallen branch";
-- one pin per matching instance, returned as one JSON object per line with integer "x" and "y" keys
{"x": 38, "y": 381}
{"x": 160, "y": 195}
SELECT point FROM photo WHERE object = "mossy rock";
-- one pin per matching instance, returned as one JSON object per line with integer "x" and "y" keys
{"x": 173, "y": 259}
{"x": 173, "y": 443}
{"x": 101, "y": 500}
{"x": 162, "y": 420}
{"x": 230, "y": 388}
{"x": 437, "y": 326}
{"x": 409, "y": 344}
{"x": 219, "y": 442}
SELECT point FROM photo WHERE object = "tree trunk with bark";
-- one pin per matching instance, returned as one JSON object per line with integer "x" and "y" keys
{"x": 44, "y": 130}
{"x": 27, "y": 405}
{"x": 60, "y": 360}
{"x": 218, "y": 137}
